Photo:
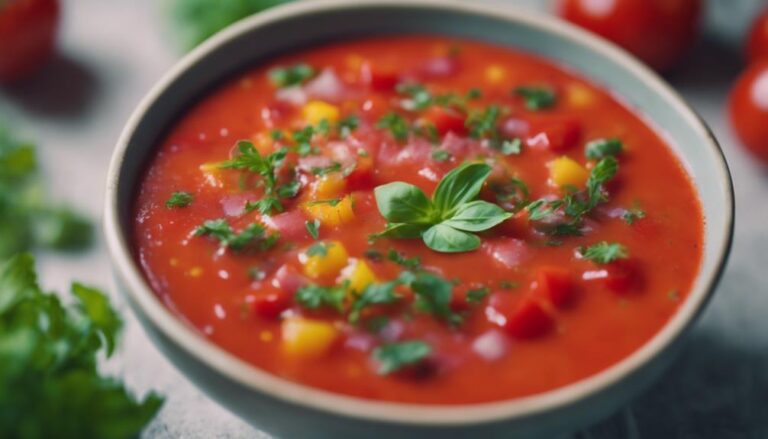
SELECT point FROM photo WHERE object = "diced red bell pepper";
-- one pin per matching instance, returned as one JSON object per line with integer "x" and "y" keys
{"x": 445, "y": 120}
{"x": 271, "y": 305}
{"x": 529, "y": 320}
{"x": 378, "y": 78}
{"x": 556, "y": 285}
{"x": 361, "y": 177}
{"x": 622, "y": 276}
{"x": 554, "y": 134}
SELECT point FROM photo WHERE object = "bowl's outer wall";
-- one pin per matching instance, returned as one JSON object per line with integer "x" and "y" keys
{"x": 260, "y": 43}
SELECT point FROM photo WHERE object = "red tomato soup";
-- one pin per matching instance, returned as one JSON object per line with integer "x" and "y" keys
{"x": 419, "y": 219}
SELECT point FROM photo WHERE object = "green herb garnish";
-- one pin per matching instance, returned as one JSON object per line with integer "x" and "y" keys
{"x": 292, "y": 75}
{"x": 179, "y": 199}
{"x": 347, "y": 125}
{"x": 600, "y": 148}
{"x": 604, "y": 252}
{"x": 319, "y": 249}
{"x": 476, "y": 295}
{"x": 396, "y": 124}
{"x": 252, "y": 237}
{"x": 313, "y": 228}
{"x": 446, "y": 222}
{"x": 316, "y": 296}
{"x": 633, "y": 215}
{"x": 536, "y": 98}
{"x": 433, "y": 295}
{"x": 440, "y": 155}
{"x": 409, "y": 263}
{"x": 394, "y": 356}
{"x": 374, "y": 294}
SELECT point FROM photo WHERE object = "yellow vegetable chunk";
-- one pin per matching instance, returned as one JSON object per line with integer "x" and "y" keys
{"x": 306, "y": 338}
{"x": 331, "y": 214}
{"x": 494, "y": 74}
{"x": 564, "y": 171}
{"x": 327, "y": 259}
{"x": 579, "y": 96}
{"x": 315, "y": 111}
{"x": 329, "y": 186}
{"x": 359, "y": 275}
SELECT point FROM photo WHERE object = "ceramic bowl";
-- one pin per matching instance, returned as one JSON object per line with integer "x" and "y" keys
{"x": 290, "y": 410}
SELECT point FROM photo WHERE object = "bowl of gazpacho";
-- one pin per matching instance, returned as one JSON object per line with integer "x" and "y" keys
{"x": 412, "y": 218}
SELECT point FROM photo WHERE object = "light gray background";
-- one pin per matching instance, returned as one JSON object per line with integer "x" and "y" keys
{"x": 112, "y": 51}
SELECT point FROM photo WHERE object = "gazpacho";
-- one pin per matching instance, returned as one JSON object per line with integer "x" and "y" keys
{"x": 419, "y": 219}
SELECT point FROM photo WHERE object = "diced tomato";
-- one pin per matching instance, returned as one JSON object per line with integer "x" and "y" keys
{"x": 275, "y": 113}
{"x": 521, "y": 318}
{"x": 516, "y": 226}
{"x": 446, "y": 120}
{"x": 556, "y": 285}
{"x": 378, "y": 78}
{"x": 362, "y": 176}
{"x": 272, "y": 304}
{"x": 553, "y": 134}
{"x": 622, "y": 276}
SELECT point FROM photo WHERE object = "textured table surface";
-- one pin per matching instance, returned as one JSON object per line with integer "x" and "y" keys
{"x": 113, "y": 51}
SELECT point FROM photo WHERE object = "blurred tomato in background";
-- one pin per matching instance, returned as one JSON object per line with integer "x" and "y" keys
{"x": 757, "y": 40}
{"x": 27, "y": 36}
{"x": 658, "y": 32}
{"x": 749, "y": 109}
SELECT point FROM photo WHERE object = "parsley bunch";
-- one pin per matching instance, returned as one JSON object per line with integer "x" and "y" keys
{"x": 446, "y": 222}
{"x": 27, "y": 217}
{"x": 49, "y": 381}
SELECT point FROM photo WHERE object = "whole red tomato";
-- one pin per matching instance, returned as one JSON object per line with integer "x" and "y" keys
{"x": 757, "y": 42}
{"x": 657, "y": 31}
{"x": 27, "y": 36}
{"x": 749, "y": 109}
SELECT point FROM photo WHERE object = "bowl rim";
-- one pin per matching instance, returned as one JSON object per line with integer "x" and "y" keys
{"x": 251, "y": 377}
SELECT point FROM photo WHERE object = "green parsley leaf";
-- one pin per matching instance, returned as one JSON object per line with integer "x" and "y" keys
{"x": 633, "y": 215}
{"x": 600, "y": 148}
{"x": 252, "y": 237}
{"x": 313, "y": 228}
{"x": 179, "y": 199}
{"x": 374, "y": 294}
{"x": 292, "y": 75}
{"x": 49, "y": 355}
{"x": 394, "y": 356}
{"x": 315, "y": 296}
{"x": 420, "y": 97}
{"x": 536, "y": 98}
{"x": 433, "y": 295}
{"x": 396, "y": 124}
{"x": 476, "y": 295}
{"x": 325, "y": 170}
{"x": 347, "y": 125}
{"x": 333, "y": 202}
{"x": 409, "y": 263}
{"x": 319, "y": 249}
{"x": 483, "y": 123}
{"x": 604, "y": 252}
{"x": 440, "y": 155}
{"x": 511, "y": 147}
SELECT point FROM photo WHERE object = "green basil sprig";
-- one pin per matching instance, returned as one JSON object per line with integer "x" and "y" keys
{"x": 448, "y": 220}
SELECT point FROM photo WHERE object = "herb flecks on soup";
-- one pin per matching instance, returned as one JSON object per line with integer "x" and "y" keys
{"x": 419, "y": 219}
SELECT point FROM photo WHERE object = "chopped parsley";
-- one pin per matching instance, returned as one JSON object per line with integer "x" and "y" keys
{"x": 319, "y": 249}
{"x": 315, "y": 296}
{"x": 395, "y": 356}
{"x": 433, "y": 296}
{"x": 511, "y": 147}
{"x": 373, "y": 255}
{"x": 604, "y": 252}
{"x": 409, "y": 263}
{"x": 179, "y": 199}
{"x": 374, "y": 294}
{"x": 476, "y": 295}
{"x": 333, "y": 202}
{"x": 291, "y": 75}
{"x": 483, "y": 123}
{"x": 313, "y": 228}
{"x": 347, "y": 125}
{"x": 440, "y": 155}
{"x": 396, "y": 124}
{"x": 536, "y": 97}
{"x": 252, "y": 237}
{"x": 633, "y": 215}
{"x": 601, "y": 148}
{"x": 325, "y": 170}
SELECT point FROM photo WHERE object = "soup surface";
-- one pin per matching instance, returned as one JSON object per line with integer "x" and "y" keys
{"x": 419, "y": 219}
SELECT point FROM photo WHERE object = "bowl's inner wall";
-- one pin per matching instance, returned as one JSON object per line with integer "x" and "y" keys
{"x": 321, "y": 26}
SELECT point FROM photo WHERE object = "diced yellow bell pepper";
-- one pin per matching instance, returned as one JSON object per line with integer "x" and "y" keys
{"x": 330, "y": 214}
{"x": 306, "y": 338}
{"x": 495, "y": 74}
{"x": 579, "y": 95}
{"x": 359, "y": 275}
{"x": 329, "y": 186}
{"x": 327, "y": 263}
{"x": 315, "y": 111}
{"x": 564, "y": 171}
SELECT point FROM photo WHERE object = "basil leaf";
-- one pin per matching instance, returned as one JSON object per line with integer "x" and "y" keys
{"x": 459, "y": 186}
{"x": 477, "y": 216}
{"x": 402, "y": 230}
{"x": 401, "y": 202}
{"x": 443, "y": 238}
